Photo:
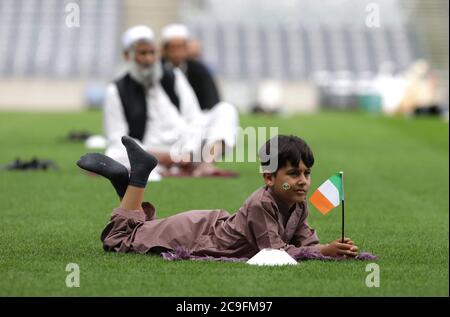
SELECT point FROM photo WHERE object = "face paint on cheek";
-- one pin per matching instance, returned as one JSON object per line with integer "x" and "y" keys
{"x": 286, "y": 186}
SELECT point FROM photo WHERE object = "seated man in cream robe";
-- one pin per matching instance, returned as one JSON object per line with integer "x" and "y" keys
{"x": 187, "y": 80}
{"x": 175, "y": 54}
{"x": 136, "y": 105}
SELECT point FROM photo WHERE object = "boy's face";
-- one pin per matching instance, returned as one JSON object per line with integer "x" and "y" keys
{"x": 297, "y": 177}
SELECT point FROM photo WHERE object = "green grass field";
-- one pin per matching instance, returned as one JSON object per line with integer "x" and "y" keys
{"x": 396, "y": 207}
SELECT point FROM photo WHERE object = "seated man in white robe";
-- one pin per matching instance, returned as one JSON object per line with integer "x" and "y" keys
{"x": 202, "y": 87}
{"x": 136, "y": 105}
{"x": 175, "y": 54}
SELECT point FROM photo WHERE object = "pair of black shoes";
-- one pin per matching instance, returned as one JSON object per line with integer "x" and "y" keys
{"x": 33, "y": 164}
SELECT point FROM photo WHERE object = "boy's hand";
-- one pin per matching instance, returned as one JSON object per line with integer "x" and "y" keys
{"x": 346, "y": 240}
{"x": 339, "y": 249}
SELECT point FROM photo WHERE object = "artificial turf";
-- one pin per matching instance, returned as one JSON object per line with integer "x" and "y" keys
{"x": 397, "y": 207}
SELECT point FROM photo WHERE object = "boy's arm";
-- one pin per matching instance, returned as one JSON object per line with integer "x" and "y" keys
{"x": 306, "y": 238}
{"x": 263, "y": 229}
{"x": 304, "y": 235}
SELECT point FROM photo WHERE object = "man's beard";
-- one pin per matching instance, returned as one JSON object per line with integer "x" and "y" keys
{"x": 147, "y": 76}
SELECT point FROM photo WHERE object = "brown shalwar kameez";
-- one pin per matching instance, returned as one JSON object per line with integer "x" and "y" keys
{"x": 261, "y": 222}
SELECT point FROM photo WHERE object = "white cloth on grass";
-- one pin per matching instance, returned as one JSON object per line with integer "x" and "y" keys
{"x": 272, "y": 257}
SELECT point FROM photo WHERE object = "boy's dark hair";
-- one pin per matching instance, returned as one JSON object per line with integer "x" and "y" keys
{"x": 290, "y": 149}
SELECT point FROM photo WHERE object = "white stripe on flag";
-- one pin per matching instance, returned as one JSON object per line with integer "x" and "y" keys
{"x": 330, "y": 192}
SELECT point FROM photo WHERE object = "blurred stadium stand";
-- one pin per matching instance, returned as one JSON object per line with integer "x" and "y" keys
{"x": 318, "y": 53}
{"x": 46, "y": 65}
{"x": 300, "y": 42}
{"x": 256, "y": 51}
{"x": 35, "y": 41}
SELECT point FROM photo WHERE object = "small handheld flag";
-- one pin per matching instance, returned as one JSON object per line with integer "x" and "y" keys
{"x": 329, "y": 195}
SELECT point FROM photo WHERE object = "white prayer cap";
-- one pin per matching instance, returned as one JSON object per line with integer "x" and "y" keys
{"x": 137, "y": 33}
{"x": 174, "y": 31}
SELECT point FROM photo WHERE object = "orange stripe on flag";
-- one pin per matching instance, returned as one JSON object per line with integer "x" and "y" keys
{"x": 320, "y": 202}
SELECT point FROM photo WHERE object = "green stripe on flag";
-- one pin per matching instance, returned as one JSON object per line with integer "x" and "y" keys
{"x": 336, "y": 180}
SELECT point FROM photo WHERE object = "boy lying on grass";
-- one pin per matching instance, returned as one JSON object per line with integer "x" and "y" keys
{"x": 274, "y": 216}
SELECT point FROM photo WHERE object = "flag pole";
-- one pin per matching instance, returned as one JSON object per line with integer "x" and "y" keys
{"x": 342, "y": 203}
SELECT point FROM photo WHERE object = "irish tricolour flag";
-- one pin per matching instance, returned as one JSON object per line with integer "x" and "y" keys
{"x": 329, "y": 194}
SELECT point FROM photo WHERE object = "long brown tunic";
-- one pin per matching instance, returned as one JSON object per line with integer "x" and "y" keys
{"x": 261, "y": 222}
